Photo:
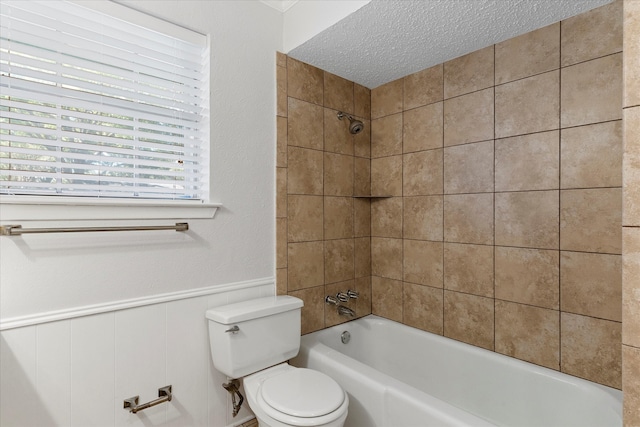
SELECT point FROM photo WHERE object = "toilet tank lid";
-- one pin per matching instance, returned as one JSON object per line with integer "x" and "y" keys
{"x": 253, "y": 309}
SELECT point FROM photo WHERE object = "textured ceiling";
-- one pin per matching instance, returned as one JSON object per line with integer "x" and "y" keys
{"x": 389, "y": 39}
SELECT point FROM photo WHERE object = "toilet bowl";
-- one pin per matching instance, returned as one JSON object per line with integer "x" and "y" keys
{"x": 253, "y": 340}
{"x": 284, "y": 396}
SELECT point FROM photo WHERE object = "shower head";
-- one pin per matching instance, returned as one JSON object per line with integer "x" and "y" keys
{"x": 355, "y": 126}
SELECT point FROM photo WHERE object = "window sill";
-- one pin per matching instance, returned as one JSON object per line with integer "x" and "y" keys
{"x": 28, "y": 208}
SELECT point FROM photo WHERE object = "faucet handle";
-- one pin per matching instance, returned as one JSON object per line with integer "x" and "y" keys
{"x": 331, "y": 300}
{"x": 342, "y": 297}
{"x": 353, "y": 294}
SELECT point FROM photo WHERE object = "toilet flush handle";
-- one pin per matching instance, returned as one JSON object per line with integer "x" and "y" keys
{"x": 234, "y": 330}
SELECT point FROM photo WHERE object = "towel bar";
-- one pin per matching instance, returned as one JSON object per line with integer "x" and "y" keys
{"x": 17, "y": 230}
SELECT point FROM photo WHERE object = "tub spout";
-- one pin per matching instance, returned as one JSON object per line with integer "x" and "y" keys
{"x": 346, "y": 311}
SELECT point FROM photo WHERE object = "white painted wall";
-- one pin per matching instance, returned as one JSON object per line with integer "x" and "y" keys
{"x": 306, "y": 19}
{"x": 45, "y": 273}
{"x": 77, "y": 371}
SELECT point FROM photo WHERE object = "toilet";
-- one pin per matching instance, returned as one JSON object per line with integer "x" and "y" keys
{"x": 253, "y": 340}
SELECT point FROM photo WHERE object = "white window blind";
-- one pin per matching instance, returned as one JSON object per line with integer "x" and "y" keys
{"x": 99, "y": 106}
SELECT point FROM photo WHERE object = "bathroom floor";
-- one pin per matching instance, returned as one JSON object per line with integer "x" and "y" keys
{"x": 250, "y": 423}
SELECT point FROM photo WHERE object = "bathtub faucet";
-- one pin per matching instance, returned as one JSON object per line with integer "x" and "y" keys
{"x": 342, "y": 310}
{"x": 346, "y": 311}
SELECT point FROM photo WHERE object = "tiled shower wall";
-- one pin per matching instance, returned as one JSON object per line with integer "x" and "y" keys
{"x": 323, "y": 231}
{"x": 505, "y": 171}
{"x": 631, "y": 216}
{"x": 501, "y": 172}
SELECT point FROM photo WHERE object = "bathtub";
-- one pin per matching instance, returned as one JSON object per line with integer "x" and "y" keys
{"x": 398, "y": 376}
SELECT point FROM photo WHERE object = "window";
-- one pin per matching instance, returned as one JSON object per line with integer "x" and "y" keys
{"x": 96, "y": 106}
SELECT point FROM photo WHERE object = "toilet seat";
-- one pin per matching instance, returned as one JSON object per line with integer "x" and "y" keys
{"x": 302, "y": 393}
{"x": 307, "y": 388}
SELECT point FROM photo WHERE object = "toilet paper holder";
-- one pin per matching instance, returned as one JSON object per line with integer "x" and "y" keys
{"x": 164, "y": 395}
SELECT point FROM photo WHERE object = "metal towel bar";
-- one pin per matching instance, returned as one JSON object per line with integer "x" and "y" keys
{"x": 164, "y": 395}
{"x": 17, "y": 230}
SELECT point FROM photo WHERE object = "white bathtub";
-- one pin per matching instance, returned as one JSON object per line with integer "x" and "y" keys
{"x": 398, "y": 376}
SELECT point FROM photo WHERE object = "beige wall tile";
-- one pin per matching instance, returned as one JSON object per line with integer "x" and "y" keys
{"x": 592, "y": 34}
{"x": 469, "y": 73}
{"x": 631, "y": 166}
{"x": 281, "y": 281}
{"x": 631, "y": 53}
{"x": 527, "y": 219}
{"x": 422, "y": 128}
{"x": 362, "y": 101}
{"x": 386, "y": 136}
{"x": 423, "y": 87}
{"x": 469, "y": 118}
{"x": 338, "y": 260}
{"x": 338, "y": 217}
{"x": 592, "y": 91}
{"x": 338, "y": 174}
{"x": 304, "y": 81}
{"x": 305, "y": 171}
{"x": 305, "y": 124}
{"x": 387, "y": 99}
{"x": 386, "y": 176}
{"x": 281, "y": 242}
{"x": 591, "y": 349}
{"x": 362, "y": 141}
{"x": 362, "y": 217}
{"x": 313, "y": 308}
{"x": 386, "y": 217}
{"x": 631, "y": 385}
{"x": 422, "y": 262}
{"x": 386, "y": 298}
{"x": 422, "y": 218}
{"x": 305, "y": 218}
{"x": 591, "y": 220}
{"x": 528, "y": 276}
{"x": 591, "y": 156}
{"x": 528, "y": 333}
{"x": 281, "y": 94}
{"x": 422, "y": 173}
{"x": 281, "y": 192}
{"x": 305, "y": 264}
{"x": 362, "y": 177}
{"x": 281, "y": 142}
{"x": 469, "y": 269}
{"x": 631, "y": 286}
{"x": 531, "y": 53}
{"x": 468, "y": 218}
{"x": 469, "y": 318}
{"x": 528, "y": 162}
{"x": 363, "y": 303}
{"x": 338, "y": 93}
{"x": 362, "y": 257}
{"x": 591, "y": 284}
{"x": 469, "y": 168}
{"x": 337, "y": 138}
{"x": 386, "y": 257}
{"x": 528, "y": 105}
{"x": 423, "y": 307}
{"x": 331, "y": 316}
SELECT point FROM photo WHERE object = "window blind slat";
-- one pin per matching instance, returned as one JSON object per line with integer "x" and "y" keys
{"x": 17, "y": 109}
{"x": 74, "y": 34}
{"x": 35, "y": 44}
{"x": 29, "y": 91}
{"x": 91, "y": 71}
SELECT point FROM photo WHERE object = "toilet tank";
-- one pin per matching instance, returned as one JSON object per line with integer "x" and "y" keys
{"x": 268, "y": 333}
